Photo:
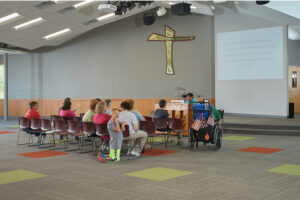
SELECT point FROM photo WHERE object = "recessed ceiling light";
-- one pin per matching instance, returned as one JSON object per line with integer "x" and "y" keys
{"x": 56, "y": 34}
{"x": 29, "y": 23}
{"x": 106, "y": 16}
{"x": 59, "y": 1}
{"x": 86, "y": 2}
{"x": 9, "y": 17}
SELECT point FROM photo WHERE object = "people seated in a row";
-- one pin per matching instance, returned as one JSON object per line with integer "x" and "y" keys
{"x": 66, "y": 110}
{"x": 32, "y": 113}
{"x": 89, "y": 115}
{"x": 126, "y": 116}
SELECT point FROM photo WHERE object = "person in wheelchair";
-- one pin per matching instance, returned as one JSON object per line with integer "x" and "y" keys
{"x": 206, "y": 133}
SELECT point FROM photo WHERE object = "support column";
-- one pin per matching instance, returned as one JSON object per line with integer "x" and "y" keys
{"x": 5, "y": 86}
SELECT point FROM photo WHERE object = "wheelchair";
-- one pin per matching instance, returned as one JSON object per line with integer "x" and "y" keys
{"x": 207, "y": 134}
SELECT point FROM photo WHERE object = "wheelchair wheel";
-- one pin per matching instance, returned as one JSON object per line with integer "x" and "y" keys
{"x": 218, "y": 138}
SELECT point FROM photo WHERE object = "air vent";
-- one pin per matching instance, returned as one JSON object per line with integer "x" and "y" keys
{"x": 45, "y": 4}
{"x": 66, "y": 10}
{"x": 92, "y": 21}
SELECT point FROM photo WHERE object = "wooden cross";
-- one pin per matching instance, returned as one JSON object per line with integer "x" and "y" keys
{"x": 169, "y": 38}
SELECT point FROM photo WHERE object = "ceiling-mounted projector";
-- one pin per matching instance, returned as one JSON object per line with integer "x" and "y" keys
{"x": 107, "y": 8}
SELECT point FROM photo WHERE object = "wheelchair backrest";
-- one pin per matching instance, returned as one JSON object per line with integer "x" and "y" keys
{"x": 200, "y": 108}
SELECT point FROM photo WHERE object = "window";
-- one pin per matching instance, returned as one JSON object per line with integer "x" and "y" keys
{"x": 1, "y": 81}
{"x": 294, "y": 79}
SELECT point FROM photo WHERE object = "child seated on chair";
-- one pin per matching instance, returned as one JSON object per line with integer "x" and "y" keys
{"x": 162, "y": 113}
{"x": 116, "y": 135}
{"x": 32, "y": 113}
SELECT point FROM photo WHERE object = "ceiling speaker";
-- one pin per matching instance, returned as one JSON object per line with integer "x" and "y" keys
{"x": 181, "y": 9}
{"x": 262, "y": 2}
{"x": 149, "y": 19}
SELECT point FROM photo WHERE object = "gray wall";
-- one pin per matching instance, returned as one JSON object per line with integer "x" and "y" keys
{"x": 1, "y": 58}
{"x": 117, "y": 61}
{"x": 293, "y": 53}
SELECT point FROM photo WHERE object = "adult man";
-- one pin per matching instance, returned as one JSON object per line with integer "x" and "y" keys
{"x": 190, "y": 98}
{"x": 126, "y": 116}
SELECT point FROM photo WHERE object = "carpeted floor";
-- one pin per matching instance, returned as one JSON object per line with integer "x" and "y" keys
{"x": 226, "y": 174}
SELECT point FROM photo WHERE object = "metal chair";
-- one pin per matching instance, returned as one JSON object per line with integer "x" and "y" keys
{"x": 88, "y": 128}
{"x": 149, "y": 128}
{"x": 47, "y": 129}
{"x": 147, "y": 118}
{"x": 74, "y": 130}
{"x": 102, "y": 132}
{"x": 35, "y": 128}
{"x": 176, "y": 126}
{"x": 24, "y": 123}
{"x": 126, "y": 138}
{"x": 61, "y": 130}
{"x": 161, "y": 125}
{"x": 81, "y": 115}
{"x": 79, "y": 119}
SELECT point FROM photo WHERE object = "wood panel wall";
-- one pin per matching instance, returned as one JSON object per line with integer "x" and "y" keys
{"x": 294, "y": 93}
{"x": 47, "y": 107}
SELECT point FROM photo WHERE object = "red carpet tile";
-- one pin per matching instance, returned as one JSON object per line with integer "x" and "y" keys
{"x": 42, "y": 154}
{"x": 6, "y": 132}
{"x": 262, "y": 150}
{"x": 158, "y": 152}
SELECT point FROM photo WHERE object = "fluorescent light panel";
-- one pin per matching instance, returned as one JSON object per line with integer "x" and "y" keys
{"x": 29, "y": 23}
{"x": 83, "y": 3}
{"x": 106, "y": 16}
{"x": 9, "y": 17}
{"x": 56, "y": 34}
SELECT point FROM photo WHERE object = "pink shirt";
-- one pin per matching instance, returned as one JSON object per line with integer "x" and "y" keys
{"x": 67, "y": 113}
{"x": 101, "y": 118}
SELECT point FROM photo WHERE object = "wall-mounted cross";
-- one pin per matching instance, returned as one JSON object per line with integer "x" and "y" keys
{"x": 169, "y": 38}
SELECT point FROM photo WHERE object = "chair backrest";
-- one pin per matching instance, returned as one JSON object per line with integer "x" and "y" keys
{"x": 147, "y": 126}
{"x": 161, "y": 123}
{"x": 24, "y": 122}
{"x": 46, "y": 124}
{"x": 73, "y": 126}
{"x": 147, "y": 118}
{"x": 55, "y": 117}
{"x": 35, "y": 124}
{"x": 67, "y": 119}
{"x": 59, "y": 125}
{"x": 81, "y": 115}
{"x": 88, "y": 128}
{"x": 101, "y": 129}
{"x": 79, "y": 119}
{"x": 126, "y": 132}
{"x": 175, "y": 124}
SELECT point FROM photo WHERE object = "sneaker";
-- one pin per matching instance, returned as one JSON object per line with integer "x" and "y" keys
{"x": 37, "y": 140}
{"x": 133, "y": 153}
{"x": 44, "y": 140}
